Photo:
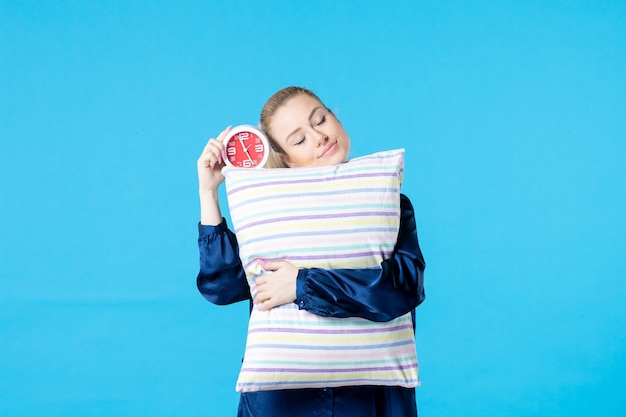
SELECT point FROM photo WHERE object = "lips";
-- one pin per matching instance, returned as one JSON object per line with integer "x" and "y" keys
{"x": 328, "y": 150}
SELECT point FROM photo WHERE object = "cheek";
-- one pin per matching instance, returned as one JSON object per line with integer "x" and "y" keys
{"x": 346, "y": 137}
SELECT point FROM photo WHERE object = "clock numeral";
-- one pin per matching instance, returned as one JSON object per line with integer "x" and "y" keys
{"x": 258, "y": 148}
{"x": 247, "y": 163}
{"x": 231, "y": 151}
{"x": 244, "y": 135}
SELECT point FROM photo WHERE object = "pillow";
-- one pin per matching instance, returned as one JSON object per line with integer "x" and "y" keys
{"x": 340, "y": 216}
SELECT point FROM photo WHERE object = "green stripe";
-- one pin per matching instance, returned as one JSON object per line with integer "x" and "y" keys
{"x": 339, "y": 250}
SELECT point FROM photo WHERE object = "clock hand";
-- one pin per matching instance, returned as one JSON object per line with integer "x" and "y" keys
{"x": 245, "y": 149}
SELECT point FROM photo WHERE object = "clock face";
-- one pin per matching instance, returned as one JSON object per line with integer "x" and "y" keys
{"x": 246, "y": 147}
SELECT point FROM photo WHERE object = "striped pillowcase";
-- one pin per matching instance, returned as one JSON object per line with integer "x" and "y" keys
{"x": 342, "y": 216}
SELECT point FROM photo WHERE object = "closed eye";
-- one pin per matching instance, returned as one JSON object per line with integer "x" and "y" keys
{"x": 322, "y": 120}
{"x": 299, "y": 142}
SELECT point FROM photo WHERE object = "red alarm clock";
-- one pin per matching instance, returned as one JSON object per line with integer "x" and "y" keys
{"x": 246, "y": 147}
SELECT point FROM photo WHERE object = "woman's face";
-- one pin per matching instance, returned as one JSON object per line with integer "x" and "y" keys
{"x": 309, "y": 133}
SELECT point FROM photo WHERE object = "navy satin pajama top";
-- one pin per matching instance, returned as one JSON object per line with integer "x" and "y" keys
{"x": 374, "y": 294}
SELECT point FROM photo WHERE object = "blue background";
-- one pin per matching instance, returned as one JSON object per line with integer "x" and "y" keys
{"x": 513, "y": 116}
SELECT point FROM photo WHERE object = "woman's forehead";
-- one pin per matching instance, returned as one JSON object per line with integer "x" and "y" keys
{"x": 294, "y": 111}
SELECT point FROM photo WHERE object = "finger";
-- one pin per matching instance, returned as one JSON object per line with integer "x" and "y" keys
{"x": 218, "y": 147}
{"x": 208, "y": 149}
{"x": 213, "y": 147}
{"x": 271, "y": 266}
{"x": 266, "y": 305}
{"x": 260, "y": 298}
{"x": 208, "y": 160}
{"x": 261, "y": 290}
{"x": 217, "y": 142}
{"x": 212, "y": 154}
{"x": 216, "y": 150}
{"x": 222, "y": 135}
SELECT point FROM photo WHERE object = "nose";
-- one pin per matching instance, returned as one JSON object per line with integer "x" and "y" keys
{"x": 321, "y": 137}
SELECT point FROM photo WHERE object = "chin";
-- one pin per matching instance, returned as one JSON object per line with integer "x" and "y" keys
{"x": 342, "y": 157}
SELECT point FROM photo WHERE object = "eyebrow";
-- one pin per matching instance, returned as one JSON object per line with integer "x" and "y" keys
{"x": 297, "y": 129}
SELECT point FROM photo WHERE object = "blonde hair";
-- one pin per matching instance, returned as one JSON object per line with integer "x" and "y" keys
{"x": 277, "y": 100}
{"x": 274, "y": 160}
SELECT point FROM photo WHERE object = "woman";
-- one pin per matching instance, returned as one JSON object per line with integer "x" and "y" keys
{"x": 303, "y": 132}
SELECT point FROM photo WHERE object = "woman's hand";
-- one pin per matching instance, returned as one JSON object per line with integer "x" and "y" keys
{"x": 277, "y": 288}
{"x": 210, "y": 164}
{"x": 210, "y": 177}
